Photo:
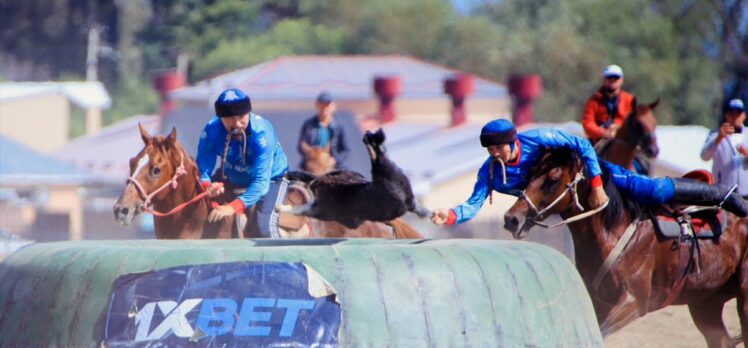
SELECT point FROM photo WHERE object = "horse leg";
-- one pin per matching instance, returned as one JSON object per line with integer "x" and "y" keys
{"x": 743, "y": 315}
{"x": 707, "y": 315}
{"x": 624, "y": 312}
{"x": 743, "y": 301}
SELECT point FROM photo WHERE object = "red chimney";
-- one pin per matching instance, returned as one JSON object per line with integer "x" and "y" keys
{"x": 165, "y": 83}
{"x": 524, "y": 89}
{"x": 387, "y": 88}
{"x": 459, "y": 87}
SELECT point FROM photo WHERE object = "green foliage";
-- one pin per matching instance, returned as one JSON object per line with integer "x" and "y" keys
{"x": 681, "y": 51}
{"x": 129, "y": 98}
{"x": 77, "y": 122}
{"x": 287, "y": 37}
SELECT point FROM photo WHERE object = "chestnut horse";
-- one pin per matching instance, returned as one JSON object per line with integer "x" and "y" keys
{"x": 644, "y": 275}
{"x": 317, "y": 160}
{"x": 637, "y": 132}
{"x": 165, "y": 178}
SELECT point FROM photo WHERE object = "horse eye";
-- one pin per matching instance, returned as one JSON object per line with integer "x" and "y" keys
{"x": 550, "y": 183}
{"x": 155, "y": 170}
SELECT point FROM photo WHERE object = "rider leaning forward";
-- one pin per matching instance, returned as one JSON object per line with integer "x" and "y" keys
{"x": 512, "y": 155}
{"x": 253, "y": 164}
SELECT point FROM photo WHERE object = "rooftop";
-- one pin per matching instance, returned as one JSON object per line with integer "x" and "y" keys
{"x": 346, "y": 77}
{"x": 84, "y": 94}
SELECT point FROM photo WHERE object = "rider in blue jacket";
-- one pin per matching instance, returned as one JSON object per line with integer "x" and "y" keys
{"x": 253, "y": 164}
{"x": 520, "y": 152}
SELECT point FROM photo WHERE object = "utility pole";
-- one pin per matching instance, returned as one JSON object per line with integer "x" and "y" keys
{"x": 93, "y": 114}
{"x": 92, "y": 57}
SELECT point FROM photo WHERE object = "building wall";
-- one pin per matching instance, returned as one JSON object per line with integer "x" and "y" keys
{"x": 412, "y": 110}
{"x": 41, "y": 122}
{"x": 58, "y": 217}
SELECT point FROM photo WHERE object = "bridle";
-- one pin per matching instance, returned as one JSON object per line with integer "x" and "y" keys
{"x": 173, "y": 183}
{"x": 571, "y": 189}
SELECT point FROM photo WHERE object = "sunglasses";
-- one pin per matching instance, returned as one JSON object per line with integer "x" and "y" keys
{"x": 613, "y": 78}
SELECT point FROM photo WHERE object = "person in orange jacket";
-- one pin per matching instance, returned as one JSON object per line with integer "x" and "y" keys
{"x": 608, "y": 107}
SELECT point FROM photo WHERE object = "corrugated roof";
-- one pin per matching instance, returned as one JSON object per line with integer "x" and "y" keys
{"x": 347, "y": 77}
{"x": 107, "y": 153}
{"x": 21, "y": 165}
{"x": 85, "y": 94}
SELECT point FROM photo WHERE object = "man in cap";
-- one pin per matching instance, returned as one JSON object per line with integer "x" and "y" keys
{"x": 727, "y": 146}
{"x": 321, "y": 130}
{"x": 608, "y": 107}
{"x": 253, "y": 164}
{"x": 519, "y": 153}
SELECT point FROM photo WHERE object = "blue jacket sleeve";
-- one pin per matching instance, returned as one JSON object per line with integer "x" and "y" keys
{"x": 206, "y": 156}
{"x": 553, "y": 138}
{"x": 263, "y": 146}
{"x": 471, "y": 207}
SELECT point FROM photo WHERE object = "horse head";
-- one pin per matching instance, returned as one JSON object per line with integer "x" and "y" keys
{"x": 318, "y": 160}
{"x": 551, "y": 190}
{"x": 151, "y": 170}
{"x": 641, "y": 129}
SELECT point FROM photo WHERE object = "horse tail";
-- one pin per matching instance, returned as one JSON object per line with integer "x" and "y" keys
{"x": 403, "y": 230}
{"x": 297, "y": 175}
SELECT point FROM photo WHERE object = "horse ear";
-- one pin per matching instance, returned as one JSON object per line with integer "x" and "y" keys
{"x": 633, "y": 104}
{"x": 654, "y": 104}
{"x": 144, "y": 134}
{"x": 172, "y": 138}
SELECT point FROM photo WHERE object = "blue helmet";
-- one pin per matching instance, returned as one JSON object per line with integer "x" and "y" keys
{"x": 232, "y": 102}
{"x": 498, "y": 132}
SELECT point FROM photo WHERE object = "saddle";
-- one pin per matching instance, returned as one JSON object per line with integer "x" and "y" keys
{"x": 677, "y": 223}
{"x": 291, "y": 226}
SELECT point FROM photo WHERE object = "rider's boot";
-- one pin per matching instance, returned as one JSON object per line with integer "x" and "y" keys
{"x": 694, "y": 192}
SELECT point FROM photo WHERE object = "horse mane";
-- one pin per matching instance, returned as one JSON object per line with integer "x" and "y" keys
{"x": 161, "y": 143}
{"x": 612, "y": 216}
{"x": 617, "y": 202}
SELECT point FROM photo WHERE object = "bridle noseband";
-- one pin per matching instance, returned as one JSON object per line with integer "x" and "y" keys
{"x": 148, "y": 197}
{"x": 571, "y": 188}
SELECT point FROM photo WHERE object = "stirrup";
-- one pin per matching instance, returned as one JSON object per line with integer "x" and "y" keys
{"x": 241, "y": 223}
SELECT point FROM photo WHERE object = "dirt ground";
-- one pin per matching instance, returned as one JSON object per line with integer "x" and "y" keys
{"x": 669, "y": 327}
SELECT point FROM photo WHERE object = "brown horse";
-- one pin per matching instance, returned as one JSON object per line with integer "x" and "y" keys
{"x": 163, "y": 176}
{"x": 317, "y": 160}
{"x": 644, "y": 275}
{"x": 636, "y": 134}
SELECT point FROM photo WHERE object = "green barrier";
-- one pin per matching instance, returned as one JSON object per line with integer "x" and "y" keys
{"x": 481, "y": 293}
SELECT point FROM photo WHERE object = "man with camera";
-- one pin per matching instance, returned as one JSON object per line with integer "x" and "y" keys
{"x": 728, "y": 147}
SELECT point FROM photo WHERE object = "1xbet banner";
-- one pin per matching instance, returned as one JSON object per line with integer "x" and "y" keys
{"x": 217, "y": 305}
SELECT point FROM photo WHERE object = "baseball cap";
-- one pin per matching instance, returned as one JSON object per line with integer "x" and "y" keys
{"x": 324, "y": 98}
{"x": 736, "y": 104}
{"x": 613, "y": 70}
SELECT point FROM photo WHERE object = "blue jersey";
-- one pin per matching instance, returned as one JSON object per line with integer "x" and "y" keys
{"x": 531, "y": 146}
{"x": 264, "y": 158}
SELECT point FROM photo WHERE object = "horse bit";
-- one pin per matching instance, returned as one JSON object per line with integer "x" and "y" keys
{"x": 571, "y": 188}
